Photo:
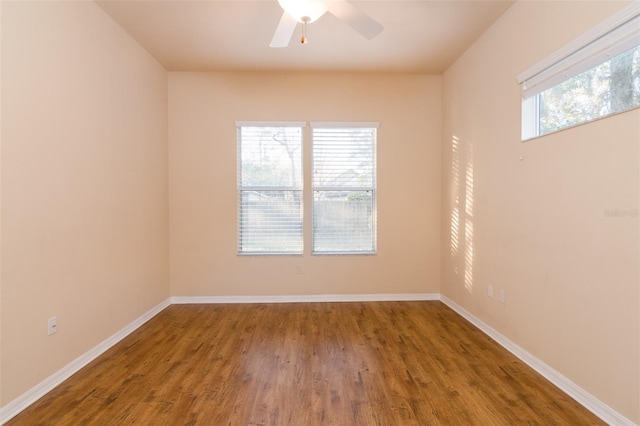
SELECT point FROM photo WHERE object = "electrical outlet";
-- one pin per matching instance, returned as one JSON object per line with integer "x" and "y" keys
{"x": 490, "y": 290}
{"x": 502, "y": 296}
{"x": 52, "y": 325}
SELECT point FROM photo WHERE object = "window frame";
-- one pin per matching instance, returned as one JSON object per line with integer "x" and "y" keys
{"x": 244, "y": 188}
{"x": 612, "y": 37}
{"x": 374, "y": 126}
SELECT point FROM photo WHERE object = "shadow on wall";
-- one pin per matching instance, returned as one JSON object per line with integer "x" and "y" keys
{"x": 461, "y": 234}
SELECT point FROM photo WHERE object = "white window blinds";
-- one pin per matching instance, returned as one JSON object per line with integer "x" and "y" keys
{"x": 344, "y": 188}
{"x": 617, "y": 34}
{"x": 590, "y": 78}
{"x": 270, "y": 188}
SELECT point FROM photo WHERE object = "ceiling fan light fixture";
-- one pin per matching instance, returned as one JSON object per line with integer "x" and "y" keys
{"x": 304, "y": 10}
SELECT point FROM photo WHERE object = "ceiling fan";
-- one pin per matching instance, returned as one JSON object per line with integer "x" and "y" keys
{"x": 307, "y": 11}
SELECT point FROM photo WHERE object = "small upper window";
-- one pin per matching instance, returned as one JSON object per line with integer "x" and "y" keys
{"x": 586, "y": 80}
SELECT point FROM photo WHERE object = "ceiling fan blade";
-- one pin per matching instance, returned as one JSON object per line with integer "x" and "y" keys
{"x": 285, "y": 30}
{"x": 350, "y": 14}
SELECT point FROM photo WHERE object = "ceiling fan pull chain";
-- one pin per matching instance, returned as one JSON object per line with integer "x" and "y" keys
{"x": 305, "y": 20}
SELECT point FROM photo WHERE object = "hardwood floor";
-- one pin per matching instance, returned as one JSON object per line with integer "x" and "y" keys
{"x": 375, "y": 363}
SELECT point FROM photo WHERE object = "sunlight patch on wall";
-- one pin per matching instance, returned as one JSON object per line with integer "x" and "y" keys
{"x": 455, "y": 215}
{"x": 468, "y": 222}
{"x": 461, "y": 231}
{"x": 455, "y": 223}
{"x": 468, "y": 190}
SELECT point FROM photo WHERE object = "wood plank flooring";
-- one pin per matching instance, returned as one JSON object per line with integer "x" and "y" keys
{"x": 374, "y": 363}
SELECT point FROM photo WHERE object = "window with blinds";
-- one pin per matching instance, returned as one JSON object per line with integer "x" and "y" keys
{"x": 593, "y": 77}
{"x": 344, "y": 188}
{"x": 270, "y": 188}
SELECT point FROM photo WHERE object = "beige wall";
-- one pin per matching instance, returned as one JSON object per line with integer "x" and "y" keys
{"x": 84, "y": 185}
{"x": 203, "y": 108}
{"x": 85, "y": 205}
{"x": 1, "y": 339}
{"x": 536, "y": 227}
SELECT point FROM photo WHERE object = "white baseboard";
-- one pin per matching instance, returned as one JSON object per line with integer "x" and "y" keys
{"x": 583, "y": 397}
{"x": 179, "y": 300}
{"x": 590, "y": 402}
{"x": 38, "y": 391}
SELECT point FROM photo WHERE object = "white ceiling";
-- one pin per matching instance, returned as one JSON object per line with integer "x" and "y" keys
{"x": 421, "y": 36}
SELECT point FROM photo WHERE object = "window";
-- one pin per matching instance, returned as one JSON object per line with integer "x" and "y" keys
{"x": 270, "y": 188}
{"x": 344, "y": 188}
{"x": 591, "y": 78}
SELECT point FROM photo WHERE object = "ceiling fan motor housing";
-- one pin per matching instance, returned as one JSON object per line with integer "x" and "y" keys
{"x": 305, "y": 11}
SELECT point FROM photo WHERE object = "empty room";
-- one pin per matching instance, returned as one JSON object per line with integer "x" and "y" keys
{"x": 310, "y": 212}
